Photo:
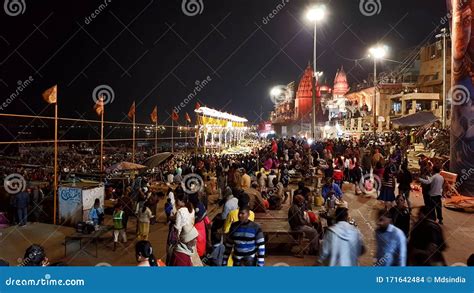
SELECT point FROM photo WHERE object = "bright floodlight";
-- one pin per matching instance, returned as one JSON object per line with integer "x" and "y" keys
{"x": 310, "y": 141}
{"x": 316, "y": 13}
{"x": 378, "y": 52}
{"x": 276, "y": 91}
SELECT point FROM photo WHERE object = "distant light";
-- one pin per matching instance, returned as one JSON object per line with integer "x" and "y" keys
{"x": 316, "y": 13}
{"x": 276, "y": 91}
{"x": 378, "y": 52}
{"x": 310, "y": 141}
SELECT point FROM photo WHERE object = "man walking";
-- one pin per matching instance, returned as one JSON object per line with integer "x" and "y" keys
{"x": 435, "y": 192}
{"x": 22, "y": 200}
{"x": 342, "y": 243}
{"x": 391, "y": 242}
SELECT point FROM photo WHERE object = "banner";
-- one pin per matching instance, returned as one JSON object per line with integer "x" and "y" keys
{"x": 461, "y": 93}
{"x": 213, "y": 279}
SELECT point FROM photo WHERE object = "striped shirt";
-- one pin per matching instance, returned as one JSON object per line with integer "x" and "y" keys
{"x": 248, "y": 242}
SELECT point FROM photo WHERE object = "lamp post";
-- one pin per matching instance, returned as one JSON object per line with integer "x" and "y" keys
{"x": 443, "y": 35}
{"x": 315, "y": 14}
{"x": 376, "y": 52}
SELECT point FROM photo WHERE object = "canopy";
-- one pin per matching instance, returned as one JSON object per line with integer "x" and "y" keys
{"x": 156, "y": 160}
{"x": 415, "y": 120}
{"x": 125, "y": 166}
{"x": 220, "y": 115}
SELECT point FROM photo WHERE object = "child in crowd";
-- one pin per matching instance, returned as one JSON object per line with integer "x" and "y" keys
{"x": 218, "y": 248}
{"x": 168, "y": 210}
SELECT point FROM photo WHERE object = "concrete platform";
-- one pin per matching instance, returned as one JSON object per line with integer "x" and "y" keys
{"x": 14, "y": 240}
{"x": 458, "y": 229}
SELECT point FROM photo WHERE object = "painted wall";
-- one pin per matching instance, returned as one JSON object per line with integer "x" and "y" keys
{"x": 462, "y": 92}
{"x": 70, "y": 206}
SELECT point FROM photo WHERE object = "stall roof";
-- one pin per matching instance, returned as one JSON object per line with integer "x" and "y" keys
{"x": 416, "y": 119}
{"x": 156, "y": 160}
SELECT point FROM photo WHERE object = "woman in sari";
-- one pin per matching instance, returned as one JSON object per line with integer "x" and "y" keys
{"x": 183, "y": 216}
{"x": 201, "y": 223}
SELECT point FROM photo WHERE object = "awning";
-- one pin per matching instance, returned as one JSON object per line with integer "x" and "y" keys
{"x": 122, "y": 166}
{"x": 157, "y": 159}
{"x": 417, "y": 119}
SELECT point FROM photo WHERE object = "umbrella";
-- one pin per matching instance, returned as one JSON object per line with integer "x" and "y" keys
{"x": 125, "y": 166}
{"x": 156, "y": 160}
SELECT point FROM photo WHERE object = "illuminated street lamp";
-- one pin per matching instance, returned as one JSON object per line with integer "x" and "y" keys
{"x": 315, "y": 14}
{"x": 276, "y": 91}
{"x": 376, "y": 52}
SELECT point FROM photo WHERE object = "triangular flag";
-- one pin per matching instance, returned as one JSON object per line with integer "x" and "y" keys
{"x": 131, "y": 112}
{"x": 154, "y": 115}
{"x": 51, "y": 95}
{"x": 174, "y": 116}
{"x": 186, "y": 116}
{"x": 198, "y": 105}
{"x": 99, "y": 106}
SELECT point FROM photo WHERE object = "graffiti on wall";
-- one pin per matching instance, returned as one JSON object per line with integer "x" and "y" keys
{"x": 70, "y": 205}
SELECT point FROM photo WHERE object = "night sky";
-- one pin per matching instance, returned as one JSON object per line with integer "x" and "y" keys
{"x": 151, "y": 52}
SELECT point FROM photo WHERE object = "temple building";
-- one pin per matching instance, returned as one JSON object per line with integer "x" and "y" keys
{"x": 337, "y": 105}
{"x": 304, "y": 96}
{"x": 292, "y": 115}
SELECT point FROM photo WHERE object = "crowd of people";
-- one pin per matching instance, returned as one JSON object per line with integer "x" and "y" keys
{"x": 247, "y": 184}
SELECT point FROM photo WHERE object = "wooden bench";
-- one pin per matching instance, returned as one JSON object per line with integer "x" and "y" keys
{"x": 92, "y": 237}
{"x": 278, "y": 215}
{"x": 275, "y": 228}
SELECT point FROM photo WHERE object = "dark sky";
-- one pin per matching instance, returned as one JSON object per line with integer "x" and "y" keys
{"x": 151, "y": 52}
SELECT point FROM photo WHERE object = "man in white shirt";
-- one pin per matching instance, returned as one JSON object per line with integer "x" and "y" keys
{"x": 270, "y": 179}
{"x": 232, "y": 203}
{"x": 436, "y": 183}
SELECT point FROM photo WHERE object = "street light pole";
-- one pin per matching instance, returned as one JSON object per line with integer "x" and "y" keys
{"x": 444, "y": 77}
{"x": 315, "y": 14}
{"x": 443, "y": 35}
{"x": 374, "y": 102}
{"x": 314, "y": 84}
{"x": 377, "y": 52}
{"x": 443, "y": 31}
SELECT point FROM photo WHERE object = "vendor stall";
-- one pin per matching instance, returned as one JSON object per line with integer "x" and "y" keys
{"x": 75, "y": 201}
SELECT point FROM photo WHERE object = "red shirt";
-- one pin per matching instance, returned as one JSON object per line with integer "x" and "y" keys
{"x": 180, "y": 259}
{"x": 338, "y": 175}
